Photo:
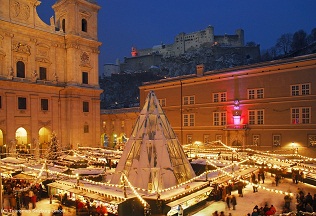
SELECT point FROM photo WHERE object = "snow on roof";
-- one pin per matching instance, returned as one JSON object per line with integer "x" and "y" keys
{"x": 13, "y": 160}
{"x": 88, "y": 171}
{"x": 72, "y": 158}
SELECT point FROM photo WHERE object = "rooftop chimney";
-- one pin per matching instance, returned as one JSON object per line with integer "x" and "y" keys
{"x": 200, "y": 70}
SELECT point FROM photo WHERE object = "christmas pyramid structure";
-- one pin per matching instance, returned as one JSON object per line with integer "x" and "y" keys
{"x": 153, "y": 158}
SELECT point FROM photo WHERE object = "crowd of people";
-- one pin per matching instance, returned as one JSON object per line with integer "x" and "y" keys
{"x": 305, "y": 202}
{"x": 263, "y": 211}
{"x": 18, "y": 193}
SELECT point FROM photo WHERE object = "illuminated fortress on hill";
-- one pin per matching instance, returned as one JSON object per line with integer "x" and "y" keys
{"x": 184, "y": 42}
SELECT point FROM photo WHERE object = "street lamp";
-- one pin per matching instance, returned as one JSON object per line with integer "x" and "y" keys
{"x": 197, "y": 146}
{"x": 77, "y": 176}
{"x": 295, "y": 148}
{"x": 233, "y": 151}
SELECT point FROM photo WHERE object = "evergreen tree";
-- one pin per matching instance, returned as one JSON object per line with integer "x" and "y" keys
{"x": 53, "y": 148}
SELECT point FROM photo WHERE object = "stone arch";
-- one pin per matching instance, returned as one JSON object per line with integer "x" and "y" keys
{"x": 44, "y": 136}
{"x": 104, "y": 140}
{"x": 3, "y": 149}
{"x": 21, "y": 141}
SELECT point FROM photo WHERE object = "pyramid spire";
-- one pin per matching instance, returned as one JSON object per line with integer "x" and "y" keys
{"x": 153, "y": 158}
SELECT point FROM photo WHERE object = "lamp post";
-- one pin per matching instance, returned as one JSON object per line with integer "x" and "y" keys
{"x": 295, "y": 148}
{"x": 77, "y": 175}
{"x": 233, "y": 167}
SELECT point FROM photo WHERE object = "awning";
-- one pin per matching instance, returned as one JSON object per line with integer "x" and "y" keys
{"x": 190, "y": 196}
{"x": 59, "y": 186}
{"x": 236, "y": 174}
{"x": 77, "y": 191}
{"x": 24, "y": 176}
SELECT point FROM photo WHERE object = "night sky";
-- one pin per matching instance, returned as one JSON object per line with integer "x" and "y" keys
{"x": 145, "y": 23}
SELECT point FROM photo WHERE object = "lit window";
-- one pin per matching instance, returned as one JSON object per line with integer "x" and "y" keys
{"x": 276, "y": 139}
{"x": 312, "y": 140}
{"x": 255, "y": 140}
{"x": 300, "y": 89}
{"x": 256, "y": 117}
{"x": 219, "y": 118}
{"x": 188, "y": 120}
{"x": 188, "y": 100}
{"x": 255, "y": 93}
{"x": 189, "y": 138}
{"x": 219, "y": 97}
{"x": 162, "y": 102}
{"x": 301, "y": 115}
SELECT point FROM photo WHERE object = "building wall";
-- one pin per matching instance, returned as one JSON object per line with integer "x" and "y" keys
{"x": 65, "y": 54}
{"x": 116, "y": 123}
{"x": 110, "y": 69}
{"x": 141, "y": 63}
{"x": 276, "y": 79}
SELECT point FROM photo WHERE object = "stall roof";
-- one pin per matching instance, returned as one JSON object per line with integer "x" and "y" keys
{"x": 59, "y": 186}
{"x": 24, "y": 176}
{"x": 70, "y": 187}
{"x": 190, "y": 196}
{"x": 13, "y": 160}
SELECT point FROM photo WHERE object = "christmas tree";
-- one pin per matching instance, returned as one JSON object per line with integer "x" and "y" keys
{"x": 53, "y": 148}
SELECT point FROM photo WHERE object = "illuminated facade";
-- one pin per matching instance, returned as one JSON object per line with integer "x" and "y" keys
{"x": 49, "y": 75}
{"x": 265, "y": 106}
{"x": 117, "y": 125}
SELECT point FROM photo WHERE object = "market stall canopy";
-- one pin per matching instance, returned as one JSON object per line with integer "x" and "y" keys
{"x": 88, "y": 171}
{"x": 13, "y": 160}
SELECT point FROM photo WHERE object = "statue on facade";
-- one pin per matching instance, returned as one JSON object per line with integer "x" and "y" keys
{"x": 10, "y": 73}
{"x": 55, "y": 77}
{"x": 34, "y": 76}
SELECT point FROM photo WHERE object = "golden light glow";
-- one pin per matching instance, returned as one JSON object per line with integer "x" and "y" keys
{"x": 21, "y": 136}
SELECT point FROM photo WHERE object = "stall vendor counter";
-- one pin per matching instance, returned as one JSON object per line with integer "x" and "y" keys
{"x": 114, "y": 203}
{"x": 190, "y": 201}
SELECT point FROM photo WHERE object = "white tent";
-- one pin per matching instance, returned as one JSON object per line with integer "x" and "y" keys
{"x": 153, "y": 158}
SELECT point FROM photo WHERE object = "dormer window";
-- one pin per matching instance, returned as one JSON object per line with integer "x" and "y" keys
{"x": 84, "y": 25}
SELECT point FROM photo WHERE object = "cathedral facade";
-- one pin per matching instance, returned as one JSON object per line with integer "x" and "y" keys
{"x": 48, "y": 76}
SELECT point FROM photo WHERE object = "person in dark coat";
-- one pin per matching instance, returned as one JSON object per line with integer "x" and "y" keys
{"x": 314, "y": 203}
{"x": 234, "y": 202}
{"x": 309, "y": 199}
{"x": 228, "y": 201}
{"x": 262, "y": 177}
{"x": 239, "y": 188}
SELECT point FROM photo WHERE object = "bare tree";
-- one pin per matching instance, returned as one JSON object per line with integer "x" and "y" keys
{"x": 299, "y": 40}
{"x": 283, "y": 44}
{"x": 312, "y": 36}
